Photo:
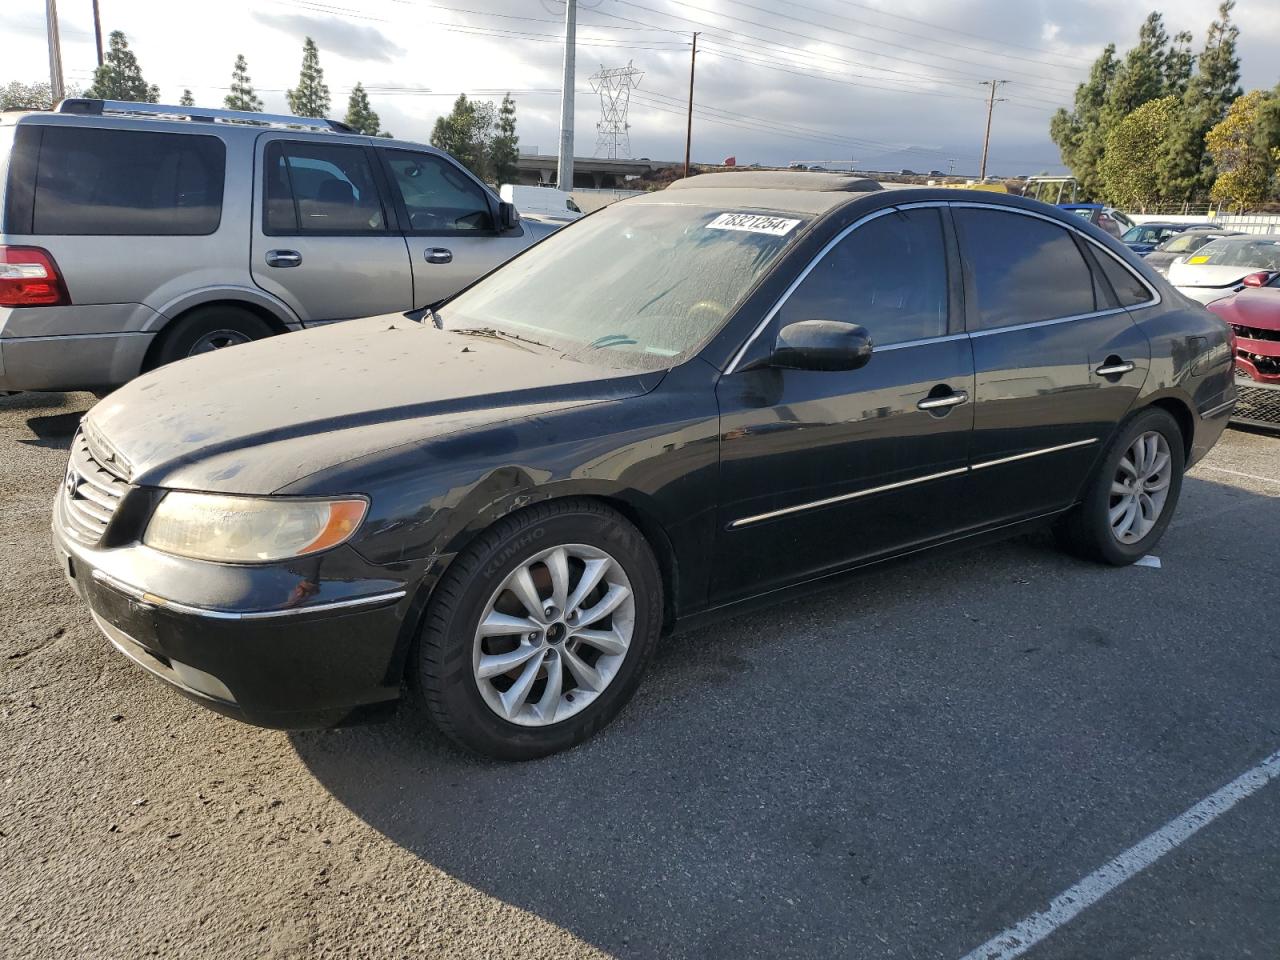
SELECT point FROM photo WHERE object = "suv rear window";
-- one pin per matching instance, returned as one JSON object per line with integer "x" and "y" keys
{"x": 95, "y": 182}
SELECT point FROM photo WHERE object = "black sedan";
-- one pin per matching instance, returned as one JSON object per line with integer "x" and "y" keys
{"x": 676, "y": 407}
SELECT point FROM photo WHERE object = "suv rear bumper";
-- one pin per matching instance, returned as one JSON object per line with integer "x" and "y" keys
{"x": 73, "y": 362}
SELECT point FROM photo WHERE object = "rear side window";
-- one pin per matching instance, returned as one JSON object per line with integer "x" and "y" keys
{"x": 1023, "y": 269}
{"x": 1130, "y": 291}
{"x": 123, "y": 183}
{"x": 438, "y": 197}
{"x": 889, "y": 275}
{"x": 320, "y": 188}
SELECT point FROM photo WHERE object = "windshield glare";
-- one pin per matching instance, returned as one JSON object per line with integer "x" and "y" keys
{"x": 634, "y": 285}
{"x": 1243, "y": 252}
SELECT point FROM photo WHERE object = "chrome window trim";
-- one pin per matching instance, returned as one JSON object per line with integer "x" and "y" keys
{"x": 828, "y": 501}
{"x": 814, "y": 504}
{"x": 1046, "y": 323}
{"x": 827, "y": 248}
{"x": 141, "y": 596}
{"x": 902, "y": 345}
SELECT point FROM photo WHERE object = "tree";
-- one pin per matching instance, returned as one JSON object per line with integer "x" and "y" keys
{"x": 1210, "y": 93}
{"x": 1080, "y": 134}
{"x": 1244, "y": 167}
{"x": 1267, "y": 130}
{"x": 504, "y": 151}
{"x": 120, "y": 77}
{"x": 25, "y": 96}
{"x": 311, "y": 97}
{"x": 360, "y": 116}
{"x": 242, "y": 96}
{"x": 1129, "y": 170}
{"x": 467, "y": 133}
{"x": 186, "y": 100}
{"x": 1141, "y": 76}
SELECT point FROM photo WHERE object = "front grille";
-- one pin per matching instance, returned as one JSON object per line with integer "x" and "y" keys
{"x": 92, "y": 490}
{"x": 1257, "y": 404}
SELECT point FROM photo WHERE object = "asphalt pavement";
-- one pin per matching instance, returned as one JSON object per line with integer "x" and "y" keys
{"x": 902, "y": 767}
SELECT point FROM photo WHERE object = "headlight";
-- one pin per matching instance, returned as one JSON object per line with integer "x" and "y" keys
{"x": 249, "y": 529}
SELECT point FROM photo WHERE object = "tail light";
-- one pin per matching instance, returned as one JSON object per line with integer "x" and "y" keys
{"x": 30, "y": 278}
{"x": 1260, "y": 279}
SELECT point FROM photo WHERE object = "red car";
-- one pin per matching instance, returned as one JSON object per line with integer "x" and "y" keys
{"x": 1254, "y": 315}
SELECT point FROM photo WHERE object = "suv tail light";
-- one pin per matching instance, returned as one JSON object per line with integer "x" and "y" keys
{"x": 30, "y": 278}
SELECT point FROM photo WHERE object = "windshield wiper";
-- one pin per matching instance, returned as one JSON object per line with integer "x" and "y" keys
{"x": 497, "y": 334}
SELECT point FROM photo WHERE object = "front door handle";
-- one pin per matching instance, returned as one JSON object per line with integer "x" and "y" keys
{"x": 1113, "y": 367}
{"x": 438, "y": 255}
{"x": 955, "y": 398}
{"x": 283, "y": 258}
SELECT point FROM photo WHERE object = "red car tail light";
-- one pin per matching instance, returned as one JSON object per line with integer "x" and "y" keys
{"x": 30, "y": 278}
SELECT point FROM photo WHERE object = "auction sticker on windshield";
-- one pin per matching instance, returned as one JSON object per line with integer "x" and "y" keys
{"x": 753, "y": 223}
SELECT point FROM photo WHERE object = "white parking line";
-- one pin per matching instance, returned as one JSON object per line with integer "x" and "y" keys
{"x": 1237, "y": 473}
{"x": 1021, "y": 937}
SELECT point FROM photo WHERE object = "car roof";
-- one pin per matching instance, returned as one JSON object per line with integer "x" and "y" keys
{"x": 1082, "y": 206}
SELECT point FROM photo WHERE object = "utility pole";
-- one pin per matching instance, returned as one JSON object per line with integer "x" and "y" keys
{"x": 55, "y": 50}
{"x": 97, "y": 30}
{"x": 564, "y": 168}
{"x": 688, "y": 130}
{"x": 986, "y": 139}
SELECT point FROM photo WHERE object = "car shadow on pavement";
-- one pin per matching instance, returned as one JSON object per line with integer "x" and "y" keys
{"x": 866, "y": 762}
{"x": 53, "y": 430}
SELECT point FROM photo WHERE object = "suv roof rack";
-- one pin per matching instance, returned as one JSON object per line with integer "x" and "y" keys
{"x": 97, "y": 108}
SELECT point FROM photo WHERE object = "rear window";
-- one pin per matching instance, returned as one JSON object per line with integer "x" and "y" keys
{"x": 95, "y": 182}
{"x": 1130, "y": 291}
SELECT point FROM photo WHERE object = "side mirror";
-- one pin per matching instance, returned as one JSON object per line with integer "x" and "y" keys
{"x": 508, "y": 216}
{"x": 1259, "y": 279}
{"x": 821, "y": 345}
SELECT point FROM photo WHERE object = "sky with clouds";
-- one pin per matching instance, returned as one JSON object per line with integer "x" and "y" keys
{"x": 887, "y": 83}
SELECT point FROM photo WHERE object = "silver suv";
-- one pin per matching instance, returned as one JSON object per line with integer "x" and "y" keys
{"x": 132, "y": 235}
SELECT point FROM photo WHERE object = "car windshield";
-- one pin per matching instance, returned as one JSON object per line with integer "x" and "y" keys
{"x": 1185, "y": 242}
{"x": 634, "y": 285}
{"x": 1141, "y": 234}
{"x": 1240, "y": 252}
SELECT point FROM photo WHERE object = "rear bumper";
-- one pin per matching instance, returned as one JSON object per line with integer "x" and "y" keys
{"x": 336, "y": 658}
{"x": 75, "y": 362}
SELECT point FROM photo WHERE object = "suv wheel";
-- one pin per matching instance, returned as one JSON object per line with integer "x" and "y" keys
{"x": 1132, "y": 495}
{"x": 538, "y": 632}
{"x": 205, "y": 329}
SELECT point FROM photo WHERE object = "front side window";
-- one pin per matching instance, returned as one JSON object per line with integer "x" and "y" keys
{"x": 1023, "y": 269}
{"x": 635, "y": 285}
{"x": 98, "y": 182}
{"x": 437, "y": 195}
{"x": 320, "y": 188}
{"x": 889, "y": 275}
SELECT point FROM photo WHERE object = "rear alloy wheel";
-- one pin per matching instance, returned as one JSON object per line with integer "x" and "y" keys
{"x": 1130, "y": 499}
{"x": 538, "y": 632}
{"x": 206, "y": 329}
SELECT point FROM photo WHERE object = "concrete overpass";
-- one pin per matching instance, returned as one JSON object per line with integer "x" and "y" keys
{"x": 588, "y": 172}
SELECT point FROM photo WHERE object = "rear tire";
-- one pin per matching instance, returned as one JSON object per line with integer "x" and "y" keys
{"x": 206, "y": 329}
{"x": 1130, "y": 499}
{"x": 572, "y": 669}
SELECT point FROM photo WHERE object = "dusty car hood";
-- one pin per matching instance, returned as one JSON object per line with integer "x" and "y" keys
{"x": 254, "y": 418}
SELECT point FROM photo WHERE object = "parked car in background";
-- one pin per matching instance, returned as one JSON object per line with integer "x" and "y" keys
{"x": 1107, "y": 218}
{"x": 1142, "y": 238}
{"x": 1183, "y": 244}
{"x": 1217, "y": 269}
{"x": 682, "y": 404}
{"x": 544, "y": 204}
{"x": 135, "y": 234}
{"x": 1254, "y": 316}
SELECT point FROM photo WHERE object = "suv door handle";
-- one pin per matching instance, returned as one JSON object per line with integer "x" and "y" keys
{"x": 1113, "y": 367}
{"x": 952, "y": 399}
{"x": 283, "y": 258}
{"x": 438, "y": 255}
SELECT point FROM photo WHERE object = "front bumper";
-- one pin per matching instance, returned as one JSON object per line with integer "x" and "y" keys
{"x": 329, "y": 650}
{"x": 1259, "y": 402}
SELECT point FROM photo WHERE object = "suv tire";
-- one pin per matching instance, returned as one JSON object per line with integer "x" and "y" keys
{"x": 1129, "y": 501}
{"x": 205, "y": 329}
{"x": 455, "y": 673}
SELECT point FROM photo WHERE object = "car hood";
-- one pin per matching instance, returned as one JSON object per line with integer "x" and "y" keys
{"x": 254, "y": 418}
{"x": 1184, "y": 274}
{"x": 1258, "y": 309}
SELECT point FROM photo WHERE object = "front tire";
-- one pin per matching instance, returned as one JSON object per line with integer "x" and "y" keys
{"x": 538, "y": 632}
{"x": 1132, "y": 494}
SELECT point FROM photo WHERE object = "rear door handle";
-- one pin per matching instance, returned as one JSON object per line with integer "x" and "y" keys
{"x": 283, "y": 258}
{"x": 953, "y": 399}
{"x": 438, "y": 255}
{"x": 1113, "y": 368}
